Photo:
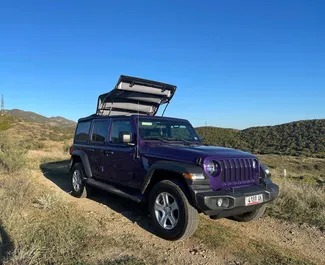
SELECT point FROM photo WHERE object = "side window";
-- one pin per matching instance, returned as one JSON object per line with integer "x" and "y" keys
{"x": 118, "y": 128}
{"x": 100, "y": 131}
{"x": 82, "y": 132}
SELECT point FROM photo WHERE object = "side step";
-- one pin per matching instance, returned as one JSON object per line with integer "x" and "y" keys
{"x": 112, "y": 189}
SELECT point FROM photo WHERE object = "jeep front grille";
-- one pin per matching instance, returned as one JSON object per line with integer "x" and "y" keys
{"x": 235, "y": 172}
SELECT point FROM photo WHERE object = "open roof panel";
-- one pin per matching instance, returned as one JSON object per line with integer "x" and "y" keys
{"x": 133, "y": 95}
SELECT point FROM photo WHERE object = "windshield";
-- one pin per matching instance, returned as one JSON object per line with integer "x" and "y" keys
{"x": 166, "y": 130}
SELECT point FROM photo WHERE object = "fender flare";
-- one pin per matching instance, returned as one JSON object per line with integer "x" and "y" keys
{"x": 85, "y": 161}
{"x": 177, "y": 167}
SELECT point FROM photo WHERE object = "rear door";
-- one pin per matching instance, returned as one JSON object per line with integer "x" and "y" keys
{"x": 96, "y": 148}
{"x": 81, "y": 139}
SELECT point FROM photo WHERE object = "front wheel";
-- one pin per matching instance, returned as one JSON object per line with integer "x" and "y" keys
{"x": 250, "y": 216}
{"x": 173, "y": 217}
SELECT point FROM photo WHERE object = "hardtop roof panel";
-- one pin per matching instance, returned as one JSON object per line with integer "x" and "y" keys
{"x": 132, "y": 95}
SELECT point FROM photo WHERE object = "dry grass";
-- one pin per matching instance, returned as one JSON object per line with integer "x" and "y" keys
{"x": 302, "y": 198}
{"x": 301, "y": 203}
{"x": 45, "y": 228}
{"x": 41, "y": 225}
{"x": 300, "y": 169}
{"x": 251, "y": 251}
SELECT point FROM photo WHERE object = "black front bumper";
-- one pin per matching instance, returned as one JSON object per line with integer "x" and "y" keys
{"x": 205, "y": 199}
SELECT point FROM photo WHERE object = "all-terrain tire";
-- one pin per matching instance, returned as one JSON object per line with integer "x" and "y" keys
{"x": 250, "y": 216}
{"x": 188, "y": 216}
{"x": 78, "y": 174}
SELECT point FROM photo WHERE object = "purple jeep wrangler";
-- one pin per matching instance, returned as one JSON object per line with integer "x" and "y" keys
{"x": 126, "y": 150}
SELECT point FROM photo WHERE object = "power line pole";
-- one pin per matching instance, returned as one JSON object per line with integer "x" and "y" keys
{"x": 2, "y": 105}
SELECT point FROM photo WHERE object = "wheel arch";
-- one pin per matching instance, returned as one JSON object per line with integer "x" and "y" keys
{"x": 79, "y": 156}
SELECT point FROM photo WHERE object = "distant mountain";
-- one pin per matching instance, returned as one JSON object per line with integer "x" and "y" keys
{"x": 295, "y": 138}
{"x": 34, "y": 117}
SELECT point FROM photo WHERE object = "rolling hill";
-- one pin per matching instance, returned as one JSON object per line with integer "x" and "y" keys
{"x": 305, "y": 137}
{"x": 295, "y": 138}
{"x": 29, "y": 116}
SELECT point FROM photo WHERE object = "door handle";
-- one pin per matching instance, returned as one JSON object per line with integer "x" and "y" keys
{"x": 91, "y": 150}
{"x": 106, "y": 152}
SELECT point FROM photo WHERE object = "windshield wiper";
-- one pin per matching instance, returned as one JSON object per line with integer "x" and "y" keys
{"x": 157, "y": 138}
{"x": 183, "y": 140}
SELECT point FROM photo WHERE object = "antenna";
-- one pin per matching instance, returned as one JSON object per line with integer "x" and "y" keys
{"x": 138, "y": 131}
{"x": 2, "y": 105}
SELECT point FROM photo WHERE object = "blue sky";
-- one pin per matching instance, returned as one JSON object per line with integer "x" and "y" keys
{"x": 236, "y": 63}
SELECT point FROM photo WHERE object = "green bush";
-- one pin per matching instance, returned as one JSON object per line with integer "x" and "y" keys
{"x": 12, "y": 155}
{"x": 5, "y": 122}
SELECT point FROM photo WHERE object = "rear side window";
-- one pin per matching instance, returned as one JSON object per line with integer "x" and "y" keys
{"x": 82, "y": 132}
{"x": 100, "y": 131}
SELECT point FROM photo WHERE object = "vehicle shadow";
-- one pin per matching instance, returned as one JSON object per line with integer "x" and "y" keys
{"x": 58, "y": 173}
{"x": 6, "y": 245}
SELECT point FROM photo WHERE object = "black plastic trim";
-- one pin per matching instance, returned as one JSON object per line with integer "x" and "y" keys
{"x": 176, "y": 167}
{"x": 85, "y": 162}
{"x": 205, "y": 199}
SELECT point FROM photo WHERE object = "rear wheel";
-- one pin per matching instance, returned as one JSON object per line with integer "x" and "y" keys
{"x": 77, "y": 181}
{"x": 250, "y": 216}
{"x": 173, "y": 217}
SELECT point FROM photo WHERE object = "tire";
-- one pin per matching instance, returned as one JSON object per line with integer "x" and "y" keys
{"x": 181, "y": 219}
{"x": 77, "y": 175}
{"x": 250, "y": 216}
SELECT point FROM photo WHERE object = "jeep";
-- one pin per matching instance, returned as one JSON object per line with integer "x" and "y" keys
{"x": 125, "y": 149}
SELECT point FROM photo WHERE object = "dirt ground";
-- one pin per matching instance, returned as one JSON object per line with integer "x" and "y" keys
{"x": 266, "y": 241}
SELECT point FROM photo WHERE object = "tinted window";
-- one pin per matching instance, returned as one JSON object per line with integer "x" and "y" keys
{"x": 152, "y": 129}
{"x": 118, "y": 128}
{"x": 100, "y": 131}
{"x": 82, "y": 132}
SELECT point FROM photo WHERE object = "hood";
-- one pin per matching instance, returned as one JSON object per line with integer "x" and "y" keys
{"x": 189, "y": 153}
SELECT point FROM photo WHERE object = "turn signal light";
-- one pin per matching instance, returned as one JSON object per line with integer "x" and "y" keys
{"x": 71, "y": 150}
{"x": 193, "y": 176}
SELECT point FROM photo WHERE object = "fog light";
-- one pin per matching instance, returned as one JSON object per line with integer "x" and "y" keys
{"x": 219, "y": 202}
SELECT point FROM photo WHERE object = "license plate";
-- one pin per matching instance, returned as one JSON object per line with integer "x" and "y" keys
{"x": 255, "y": 199}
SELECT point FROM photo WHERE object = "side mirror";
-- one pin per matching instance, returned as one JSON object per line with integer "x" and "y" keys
{"x": 125, "y": 137}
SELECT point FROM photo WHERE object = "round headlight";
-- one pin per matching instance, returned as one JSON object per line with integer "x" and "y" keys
{"x": 210, "y": 167}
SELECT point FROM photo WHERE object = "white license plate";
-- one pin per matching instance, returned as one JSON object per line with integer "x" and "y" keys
{"x": 255, "y": 199}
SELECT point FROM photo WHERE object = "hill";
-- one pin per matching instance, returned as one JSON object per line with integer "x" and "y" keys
{"x": 294, "y": 138}
{"x": 29, "y": 116}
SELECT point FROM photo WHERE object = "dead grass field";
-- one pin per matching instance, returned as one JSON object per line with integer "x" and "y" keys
{"x": 40, "y": 223}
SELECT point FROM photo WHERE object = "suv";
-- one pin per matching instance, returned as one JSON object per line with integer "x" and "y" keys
{"x": 163, "y": 162}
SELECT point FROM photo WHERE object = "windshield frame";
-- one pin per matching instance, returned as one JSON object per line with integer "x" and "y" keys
{"x": 165, "y": 139}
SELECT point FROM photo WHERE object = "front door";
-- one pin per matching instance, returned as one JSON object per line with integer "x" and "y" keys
{"x": 124, "y": 166}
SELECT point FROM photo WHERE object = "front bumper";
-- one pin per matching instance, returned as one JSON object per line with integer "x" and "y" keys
{"x": 234, "y": 199}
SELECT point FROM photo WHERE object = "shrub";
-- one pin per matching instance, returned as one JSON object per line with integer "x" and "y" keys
{"x": 300, "y": 203}
{"x": 12, "y": 155}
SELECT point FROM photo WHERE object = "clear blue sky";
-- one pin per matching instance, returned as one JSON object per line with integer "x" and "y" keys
{"x": 236, "y": 63}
